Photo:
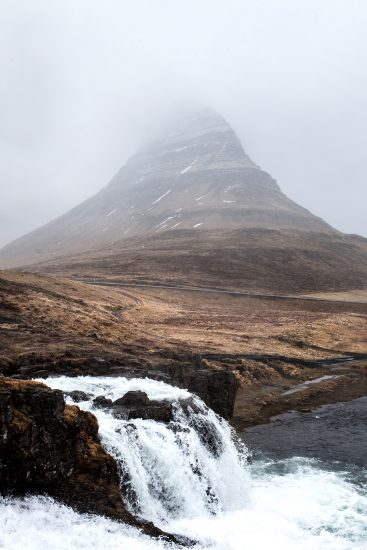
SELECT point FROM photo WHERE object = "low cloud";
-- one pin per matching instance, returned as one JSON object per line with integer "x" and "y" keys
{"x": 84, "y": 84}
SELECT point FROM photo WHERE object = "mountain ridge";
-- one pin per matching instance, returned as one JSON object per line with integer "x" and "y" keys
{"x": 195, "y": 176}
{"x": 192, "y": 208}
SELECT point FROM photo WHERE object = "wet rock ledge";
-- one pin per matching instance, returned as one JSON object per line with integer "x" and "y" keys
{"x": 47, "y": 447}
{"x": 216, "y": 387}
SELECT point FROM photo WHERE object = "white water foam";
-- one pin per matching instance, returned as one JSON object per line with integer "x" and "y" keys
{"x": 39, "y": 523}
{"x": 176, "y": 481}
{"x": 303, "y": 508}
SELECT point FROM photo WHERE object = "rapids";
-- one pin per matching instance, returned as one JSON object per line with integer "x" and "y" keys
{"x": 187, "y": 483}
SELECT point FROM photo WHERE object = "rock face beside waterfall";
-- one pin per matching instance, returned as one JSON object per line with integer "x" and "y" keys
{"x": 216, "y": 387}
{"x": 47, "y": 447}
{"x": 136, "y": 404}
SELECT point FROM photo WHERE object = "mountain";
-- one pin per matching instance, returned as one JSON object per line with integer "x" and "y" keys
{"x": 193, "y": 200}
{"x": 197, "y": 176}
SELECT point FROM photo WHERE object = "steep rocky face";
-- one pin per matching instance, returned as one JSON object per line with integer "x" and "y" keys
{"x": 195, "y": 177}
{"x": 216, "y": 387}
{"x": 47, "y": 447}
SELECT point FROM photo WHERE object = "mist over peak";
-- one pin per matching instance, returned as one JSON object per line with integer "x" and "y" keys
{"x": 196, "y": 176}
{"x": 84, "y": 86}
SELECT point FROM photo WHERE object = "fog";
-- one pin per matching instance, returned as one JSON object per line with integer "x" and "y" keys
{"x": 84, "y": 83}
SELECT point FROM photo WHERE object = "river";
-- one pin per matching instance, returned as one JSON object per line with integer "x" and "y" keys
{"x": 299, "y": 492}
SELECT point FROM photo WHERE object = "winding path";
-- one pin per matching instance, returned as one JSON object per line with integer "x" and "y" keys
{"x": 106, "y": 282}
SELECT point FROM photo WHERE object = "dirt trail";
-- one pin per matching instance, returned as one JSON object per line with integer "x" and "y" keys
{"x": 303, "y": 298}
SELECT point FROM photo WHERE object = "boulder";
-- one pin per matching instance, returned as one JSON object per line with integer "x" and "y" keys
{"x": 136, "y": 404}
{"x": 132, "y": 399}
{"x": 102, "y": 402}
{"x": 78, "y": 395}
{"x": 160, "y": 411}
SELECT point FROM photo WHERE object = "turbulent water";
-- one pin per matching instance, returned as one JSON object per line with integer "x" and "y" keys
{"x": 192, "y": 477}
{"x": 336, "y": 434}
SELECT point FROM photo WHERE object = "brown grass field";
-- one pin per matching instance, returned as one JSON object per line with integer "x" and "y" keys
{"x": 271, "y": 344}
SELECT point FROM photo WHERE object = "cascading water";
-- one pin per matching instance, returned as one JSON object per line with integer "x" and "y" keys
{"x": 189, "y": 467}
{"x": 190, "y": 476}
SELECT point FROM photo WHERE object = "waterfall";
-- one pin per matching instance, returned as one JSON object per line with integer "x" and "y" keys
{"x": 190, "y": 476}
{"x": 193, "y": 466}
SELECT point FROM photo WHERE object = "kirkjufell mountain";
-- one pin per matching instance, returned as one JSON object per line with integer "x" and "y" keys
{"x": 196, "y": 176}
{"x": 194, "y": 201}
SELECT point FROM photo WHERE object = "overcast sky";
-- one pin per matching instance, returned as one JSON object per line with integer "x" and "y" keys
{"x": 84, "y": 83}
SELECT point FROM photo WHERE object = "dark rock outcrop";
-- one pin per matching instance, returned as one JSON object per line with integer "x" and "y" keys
{"x": 78, "y": 396}
{"x": 101, "y": 402}
{"x": 216, "y": 387}
{"x": 155, "y": 410}
{"x": 136, "y": 404}
{"x": 47, "y": 447}
{"x": 132, "y": 399}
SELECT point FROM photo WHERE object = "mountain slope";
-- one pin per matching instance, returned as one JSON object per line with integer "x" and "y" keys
{"x": 192, "y": 208}
{"x": 251, "y": 259}
{"x": 196, "y": 176}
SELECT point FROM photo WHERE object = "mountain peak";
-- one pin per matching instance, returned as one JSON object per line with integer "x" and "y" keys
{"x": 205, "y": 138}
{"x": 197, "y": 141}
{"x": 194, "y": 176}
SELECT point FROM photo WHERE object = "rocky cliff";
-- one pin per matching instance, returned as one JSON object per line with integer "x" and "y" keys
{"x": 47, "y": 447}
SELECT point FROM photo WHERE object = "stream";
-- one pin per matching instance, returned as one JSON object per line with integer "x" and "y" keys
{"x": 302, "y": 488}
